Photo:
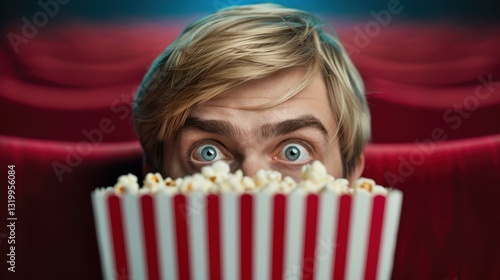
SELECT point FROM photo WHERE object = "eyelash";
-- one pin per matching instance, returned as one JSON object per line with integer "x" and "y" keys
{"x": 200, "y": 143}
{"x": 224, "y": 150}
{"x": 305, "y": 144}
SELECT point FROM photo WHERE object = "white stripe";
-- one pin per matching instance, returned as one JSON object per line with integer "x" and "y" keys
{"x": 327, "y": 235}
{"x": 197, "y": 228}
{"x": 104, "y": 240}
{"x": 132, "y": 229}
{"x": 230, "y": 239}
{"x": 358, "y": 235}
{"x": 262, "y": 234}
{"x": 389, "y": 234}
{"x": 294, "y": 235}
{"x": 166, "y": 235}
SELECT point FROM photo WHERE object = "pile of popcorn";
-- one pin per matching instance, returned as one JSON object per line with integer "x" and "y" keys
{"x": 218, "y": 178}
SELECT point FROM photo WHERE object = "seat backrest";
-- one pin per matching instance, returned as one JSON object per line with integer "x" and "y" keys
{"x": 449, "y": 221}
{"x": 55, "y": 225}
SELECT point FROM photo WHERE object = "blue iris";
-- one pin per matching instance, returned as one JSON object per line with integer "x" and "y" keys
{"x": 208, "y": 153}
{"x": 292, "y": 153}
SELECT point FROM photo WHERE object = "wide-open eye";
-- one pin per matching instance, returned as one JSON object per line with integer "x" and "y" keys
{"x": 294, "y": 152}
{"x": 207, "y": 153}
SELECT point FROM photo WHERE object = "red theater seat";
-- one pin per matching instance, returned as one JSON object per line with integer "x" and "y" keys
{"x": 69, "y": 79}
{"x": 55, "y": 227}
{"x": 73, "y": 76}
{"x": 449, "y": 221}
{"x": 67, "y": 130}
{"x": 51, "y": 113}
{"x": 423, "y": 76}
{"x": 410, "y": 113}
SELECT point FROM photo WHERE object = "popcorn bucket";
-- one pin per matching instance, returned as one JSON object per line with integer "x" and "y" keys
{"x": 261, "y": 235}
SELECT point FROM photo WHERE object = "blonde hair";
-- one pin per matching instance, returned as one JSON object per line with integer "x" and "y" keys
{"x": 232, "y": 46}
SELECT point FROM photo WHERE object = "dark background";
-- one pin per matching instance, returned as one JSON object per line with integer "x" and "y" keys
{"x": 480, "y": 10}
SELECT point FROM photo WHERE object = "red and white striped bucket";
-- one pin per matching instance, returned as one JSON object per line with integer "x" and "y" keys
{"x": 247, "y": 236}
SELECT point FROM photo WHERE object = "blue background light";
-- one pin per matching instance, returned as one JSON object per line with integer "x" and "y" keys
{"x": 483, "y": 10}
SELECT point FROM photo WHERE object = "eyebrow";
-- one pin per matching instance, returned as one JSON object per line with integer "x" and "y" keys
{"x": 220, "y": 127}
{"x": 266, "y": 131}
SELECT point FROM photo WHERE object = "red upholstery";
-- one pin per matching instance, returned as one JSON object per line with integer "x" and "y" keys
{"x": 55, "y": 235}
{"x": 417, "y": 73}
{"x": 84, "y": 73}
{"x": 449, "y": 220}
{"x": 71, "y": 123}
{"x": 64, "y": 98}
{"x": 398, "y": 121}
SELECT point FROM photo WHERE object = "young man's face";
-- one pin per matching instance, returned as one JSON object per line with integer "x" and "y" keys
{"x": 284, "y": 138}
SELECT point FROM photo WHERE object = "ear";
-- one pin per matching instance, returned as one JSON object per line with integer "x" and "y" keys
{"x": 358, "y": 170}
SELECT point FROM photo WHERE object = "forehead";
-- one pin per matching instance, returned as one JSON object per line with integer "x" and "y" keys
{"x": 232, "y": 106}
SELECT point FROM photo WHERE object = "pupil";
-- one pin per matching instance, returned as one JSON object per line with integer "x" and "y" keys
{"x": 292, "y": 153}
{"x": 208, "y": 153}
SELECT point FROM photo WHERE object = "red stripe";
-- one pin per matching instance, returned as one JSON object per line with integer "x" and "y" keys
{"x": 213, "y": 230}
{"x": 375, "y": 234}
{"x": 181, "y": 233}
{"x": 246, "y": 228}
{"x": 279, "y": 211}
{"x": 342, "y": 233}
{"x": 148, "y": 221}
{"x": 310, "y": 237}
{"x": 116, "y": 220}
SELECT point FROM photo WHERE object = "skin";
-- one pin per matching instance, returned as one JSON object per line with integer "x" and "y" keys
{"x": 221, "y": 129}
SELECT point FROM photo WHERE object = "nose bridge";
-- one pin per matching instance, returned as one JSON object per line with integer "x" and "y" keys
{"x": 252, "y": 163}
